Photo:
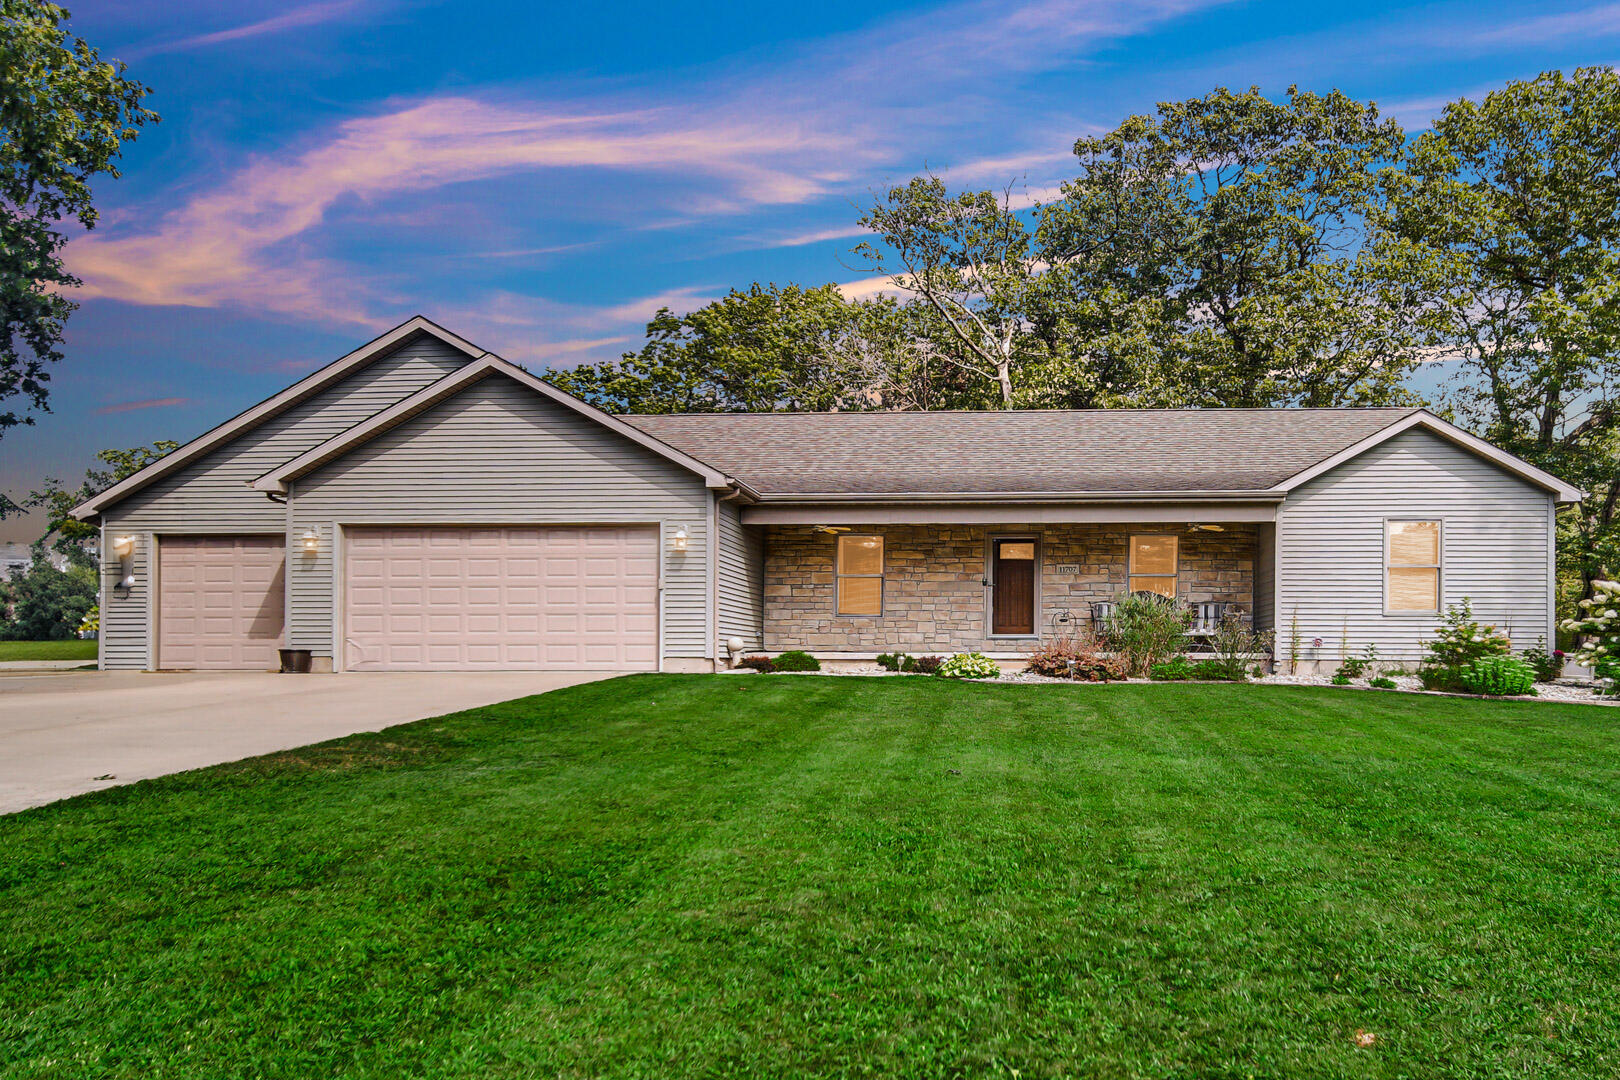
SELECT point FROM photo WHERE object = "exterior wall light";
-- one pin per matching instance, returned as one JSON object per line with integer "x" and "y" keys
{"x": 312, "y": 541}
{"x": 123, "y": 545}
{"x": 677, "y": 542}
{"x": 124, "y": 551}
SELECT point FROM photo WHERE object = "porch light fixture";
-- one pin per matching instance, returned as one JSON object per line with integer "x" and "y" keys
{"x": 124, "y": 551}
{"x": 677, "y": 540}
{"x": 312, "y": 541}
{"x": 123, "y": 545}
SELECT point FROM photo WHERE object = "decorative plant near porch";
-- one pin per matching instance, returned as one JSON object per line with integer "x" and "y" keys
{"x": 1076, "y": 658}
{"x": 1235, "y": 646}
{"x": 1147, "y": 629}
{"x": 969, "y": 665}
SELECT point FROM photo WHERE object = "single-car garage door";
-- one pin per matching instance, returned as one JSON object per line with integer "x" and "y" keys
{"x": 564, "y": 597}
{"x": 220, "y": 601}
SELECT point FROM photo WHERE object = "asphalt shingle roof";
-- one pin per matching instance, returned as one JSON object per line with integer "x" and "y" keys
{"x": 1006, "y": 453}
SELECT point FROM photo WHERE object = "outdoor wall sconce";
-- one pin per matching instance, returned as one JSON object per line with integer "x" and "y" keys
{"x": 312, "y": 542}
{"x": 124, "y": 549}
{"x": 677, "y": 541}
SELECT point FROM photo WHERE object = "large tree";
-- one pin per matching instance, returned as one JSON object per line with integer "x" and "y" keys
{"x": 766, "y": 348}
{"x": 65, "y": 113}
{"x": 1519, "y": 195}
{"x": 1227, "y": 251}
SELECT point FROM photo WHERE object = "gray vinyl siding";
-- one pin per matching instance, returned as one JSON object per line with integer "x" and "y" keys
{"x": 124, "y": 619}
{"x": 211, "y": 495}
{"x": 498, "y": 453}
{"x": 1496, "y": 547}
{"x": 742, "y": 579}
{"x": 1265, "y": 577}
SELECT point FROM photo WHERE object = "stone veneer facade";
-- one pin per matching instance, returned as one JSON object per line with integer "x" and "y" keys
{"x": 933, "y": 597}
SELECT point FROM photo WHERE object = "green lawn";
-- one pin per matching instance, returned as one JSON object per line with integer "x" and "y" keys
{"x": 48, "y": 650}
{"x": 777, "y": 876}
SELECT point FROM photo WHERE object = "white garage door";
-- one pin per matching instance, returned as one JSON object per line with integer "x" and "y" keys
{"x": 221, "y": 601}
{"x": 564, "y": 597}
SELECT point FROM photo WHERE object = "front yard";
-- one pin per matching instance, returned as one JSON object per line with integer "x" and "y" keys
{"x": 665, "y": 876}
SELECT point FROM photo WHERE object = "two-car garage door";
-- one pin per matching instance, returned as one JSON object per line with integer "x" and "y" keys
{"x": 567, "y": 597}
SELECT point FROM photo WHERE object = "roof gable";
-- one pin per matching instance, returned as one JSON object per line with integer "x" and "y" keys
{"x": 273, "y": 406}
{"x": 277, "y": 479}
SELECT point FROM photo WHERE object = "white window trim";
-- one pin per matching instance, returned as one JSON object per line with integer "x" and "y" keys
{"x": 1439, "y": 569}
{"x": 1130, "y": 559}
{"x": 838, "y": 574}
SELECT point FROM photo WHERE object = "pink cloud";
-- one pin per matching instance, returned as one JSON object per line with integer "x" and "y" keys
{"x": 309, "y": 15}
{"x": 144, "y": 403}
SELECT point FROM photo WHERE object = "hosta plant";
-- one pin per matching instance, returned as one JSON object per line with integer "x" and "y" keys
{"x": 969, "y": 665}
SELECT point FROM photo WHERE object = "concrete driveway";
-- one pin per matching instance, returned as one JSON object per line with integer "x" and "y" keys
{"x": 63, "y": 735}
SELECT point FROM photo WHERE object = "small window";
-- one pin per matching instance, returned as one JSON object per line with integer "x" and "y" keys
{"x": 860, "y": 575}
{"x": 1154, "y": 562}
{"x": 1412, "y": 566}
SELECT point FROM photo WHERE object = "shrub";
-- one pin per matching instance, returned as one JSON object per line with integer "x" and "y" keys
{"x": 1352, "y": 667}
{"x": 925, "y": 665}
{"x": 1234, "y": 643}
{"x": 969, "y": 665}
{"x": 1095, "y": 667}
{"x": 1341, "y": 680}
{"x": 893, "y": 661}
{"x": 756, "y": 663}
{"x": 1499, "y": 676}
{"x": 1438, "y": 677}
{"x": 1461, "y": 639}
{"x": 1176, "y": 669}
{"x": 43, "y": 603}
{"x": 1219, "y": 671}
{"x": 90, "y": 625}
{"x": 1075, "y": 658}
{"x": 1597, "y": 632}
{"x": 1147, "y": 629}
{"x": 796, "y": 660}
{"x": 1380, "y": 682}
{"x": 1547, "y": 665}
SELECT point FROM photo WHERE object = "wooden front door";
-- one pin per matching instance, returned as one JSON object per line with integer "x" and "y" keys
{"x": 1012, "y": 608}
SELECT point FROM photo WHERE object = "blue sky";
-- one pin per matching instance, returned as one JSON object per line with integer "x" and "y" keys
{"x": 541, "y": 177}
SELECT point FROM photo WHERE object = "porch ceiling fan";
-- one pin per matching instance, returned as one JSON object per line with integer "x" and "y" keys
{"x": 1193, "y": 526}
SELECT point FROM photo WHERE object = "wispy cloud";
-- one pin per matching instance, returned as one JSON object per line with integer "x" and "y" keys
{"x": 789, "y": 131}
{"x": 144, "y": 403}
{"x": 308, "y": 15}
{"x": 1593, "y": 22}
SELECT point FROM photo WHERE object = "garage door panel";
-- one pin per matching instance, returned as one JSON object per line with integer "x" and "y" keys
{"x": 525, "y": 597}
{"x": 221, "y": 601}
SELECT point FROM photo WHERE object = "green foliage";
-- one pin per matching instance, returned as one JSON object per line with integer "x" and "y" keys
{"x": 969, "y": 665}
{"x": 1223, "y": 252}
{"x": 1597, "y": 630}
{"x": 763, "y": 349}
{"x": 1340, "y": 680}
{"x": 895, "y": 661}
{"x": 1547, "y": 665}
{"x": 91, "y": 623}
{"x": 1146, "y": 629}
{"x": 1381, "y": 682}
{"x": 1175, "y": 669}
{"x": 46, "y": 604}
{"x": 796, "y": 660}
{"x": 1498, "y": 676}
{"x": 1514, "y": 196}
{"x": 64, "y": 116}
{"x": 1218, "y": 670}
{"x": 1352, "y": 667}
{"x": 1461, "y": 638}
{"x": 757, "y": 663}
{"x": 1235, "y": 645}
{"x": 55, "y": 500}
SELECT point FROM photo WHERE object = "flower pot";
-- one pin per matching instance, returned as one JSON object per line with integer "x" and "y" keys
{"x": 295, "y": 660}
